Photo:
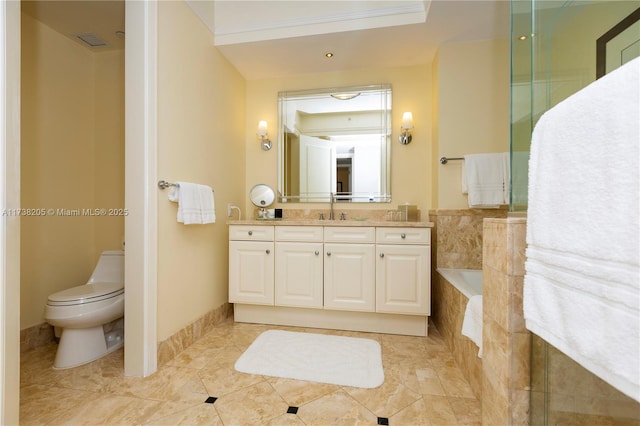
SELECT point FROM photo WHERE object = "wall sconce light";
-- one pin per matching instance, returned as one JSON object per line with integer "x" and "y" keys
{"x": 407, "y": 124}
{"x": 262, "y": 134}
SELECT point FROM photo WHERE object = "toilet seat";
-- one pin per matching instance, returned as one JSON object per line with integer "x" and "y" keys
{"x": 88, "y": 293}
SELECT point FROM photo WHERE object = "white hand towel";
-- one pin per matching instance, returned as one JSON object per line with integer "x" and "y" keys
{"x": 582, "y": 281}
{"x": 472, "y": 322}
{"x": 486, "y": 179}
{"x": 195, "y": 203}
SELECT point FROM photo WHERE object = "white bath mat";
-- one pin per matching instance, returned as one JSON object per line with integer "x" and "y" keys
{"x": 338, "y": 360}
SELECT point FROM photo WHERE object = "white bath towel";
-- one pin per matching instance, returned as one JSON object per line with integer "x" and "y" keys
{"x": 582, "y": 281}
{"x": 472, "y": 322}
{"x": 195, "y": 203}
{"x": 486, "y": 179}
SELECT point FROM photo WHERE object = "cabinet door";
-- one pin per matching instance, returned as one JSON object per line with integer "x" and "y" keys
{"x": 251, "y": 267}
{"x": 349, "y": 277}
{"x": 298, "y": 274}
{"x": 403, "y": 282}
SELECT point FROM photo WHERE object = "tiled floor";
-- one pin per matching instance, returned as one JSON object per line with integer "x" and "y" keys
{"x": 422, "y": 386}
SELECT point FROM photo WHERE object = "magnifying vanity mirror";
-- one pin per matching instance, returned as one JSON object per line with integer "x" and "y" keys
{"x": 335, "y": 141}
{"x": 262, "y": 196}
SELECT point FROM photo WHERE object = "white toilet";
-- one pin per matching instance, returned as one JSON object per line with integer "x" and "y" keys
{"x": 89, "y": 318}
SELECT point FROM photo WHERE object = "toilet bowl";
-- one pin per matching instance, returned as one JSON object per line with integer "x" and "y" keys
{"x": 88, "y": 318}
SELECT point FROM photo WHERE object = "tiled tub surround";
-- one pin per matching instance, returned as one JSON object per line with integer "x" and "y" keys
{"x": 511, "y": 375}
{"x": 456, "y": 242}
{"x": 447, "y": 310}
{"x": 506, "y": 343}
{"x": 457, "y": 237}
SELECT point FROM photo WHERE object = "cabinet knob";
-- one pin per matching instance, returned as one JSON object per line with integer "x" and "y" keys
{"x": 250, "y": 232}
{"x": 268, "y": 251}
{"x": 381, "y": 254}
{"x": 317, "y": 252}
{"x": 328, "y": 253}
{"x": 403, "y": 236}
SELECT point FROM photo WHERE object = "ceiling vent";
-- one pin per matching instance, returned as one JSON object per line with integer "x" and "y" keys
{"x": 91, "y": 40}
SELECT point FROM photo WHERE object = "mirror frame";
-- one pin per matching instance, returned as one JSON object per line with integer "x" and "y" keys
{"x": 383, "y": 196}
{"x": 258, "y": 197}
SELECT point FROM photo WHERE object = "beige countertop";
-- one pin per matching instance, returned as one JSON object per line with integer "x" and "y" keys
{"x": 317, "y": 222}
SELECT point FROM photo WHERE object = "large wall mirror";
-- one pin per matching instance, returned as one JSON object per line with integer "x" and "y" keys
{"x": 335, "y": 141}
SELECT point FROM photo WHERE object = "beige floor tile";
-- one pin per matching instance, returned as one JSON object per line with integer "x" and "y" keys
{"x": 453, "y": 382}
{"x": 106, "y": 410}
{"x": 337, "y": 408}
{"x": 42, "y": 405}
{"x": 413, "y": 415}
{"x": 251, "y": 405}
{"x": 299, "y": 392}
{"x": 203, "y": 414}
{"x": 467, "y": 411}
{"x": 385, "y": 400}
{"x": 429, "y": 382}
{"x": 286, "y": 420}
{"x": 223, "y": 380}
{"x": 439, "y": 411}
{"x": 423, "y": 386}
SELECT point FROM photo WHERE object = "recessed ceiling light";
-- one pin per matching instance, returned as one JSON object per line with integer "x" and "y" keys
{"x": 328, "y": 55}
{"x": 522, "y": 37}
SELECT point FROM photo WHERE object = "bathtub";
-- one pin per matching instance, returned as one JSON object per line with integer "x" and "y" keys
{"x": 453, "y": 290}
{"x": 467, "y": 281}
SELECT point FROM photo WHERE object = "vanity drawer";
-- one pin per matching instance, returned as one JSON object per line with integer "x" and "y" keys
{"x": 251, "y": 233}
{"x": 403, "y": 235}
{"x": 349, "y": 234}
{"x": 310, "y": 234}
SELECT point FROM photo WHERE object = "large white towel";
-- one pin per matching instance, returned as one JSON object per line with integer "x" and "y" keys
{"x": 472, "y": 322}
{"x": 195, "y": 203}
{"x": 486, "y": 179}
{"x": 582, "y": 281}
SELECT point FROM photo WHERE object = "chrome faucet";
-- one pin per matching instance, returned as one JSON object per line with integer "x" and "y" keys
{"x": 332, "y": 200}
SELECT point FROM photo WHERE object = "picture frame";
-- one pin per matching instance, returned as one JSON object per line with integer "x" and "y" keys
{"x": 605, "y": 43}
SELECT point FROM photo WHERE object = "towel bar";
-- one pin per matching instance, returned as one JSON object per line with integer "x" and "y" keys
{"x": 445, "y": 160}
{"x": 163, "y": 184}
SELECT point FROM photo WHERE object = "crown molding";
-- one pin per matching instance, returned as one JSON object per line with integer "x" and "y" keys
{"x": 414, "y": 13}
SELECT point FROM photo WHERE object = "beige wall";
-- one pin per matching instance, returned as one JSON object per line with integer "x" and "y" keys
{"x": 109, "y": 149}
{"x": 72, "y": 158}
{"x": 460, "y": 105}
{"x": 201, "y": 138}
{"x": 472, "y": 111}
{"x": 208, "y": 116}
{"x": 411, "y": 164}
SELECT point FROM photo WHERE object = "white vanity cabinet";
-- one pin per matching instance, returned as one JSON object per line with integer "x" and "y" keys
{"x": 298, "y": 270}
{"x": 373, "y": 278}
{"x": 251, "y": 264}
{"x": 403, "y": 270}
{"x": 349, "y": 268}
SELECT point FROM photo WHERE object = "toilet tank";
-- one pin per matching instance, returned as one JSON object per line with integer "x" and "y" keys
{"x": 110, "y": 268}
